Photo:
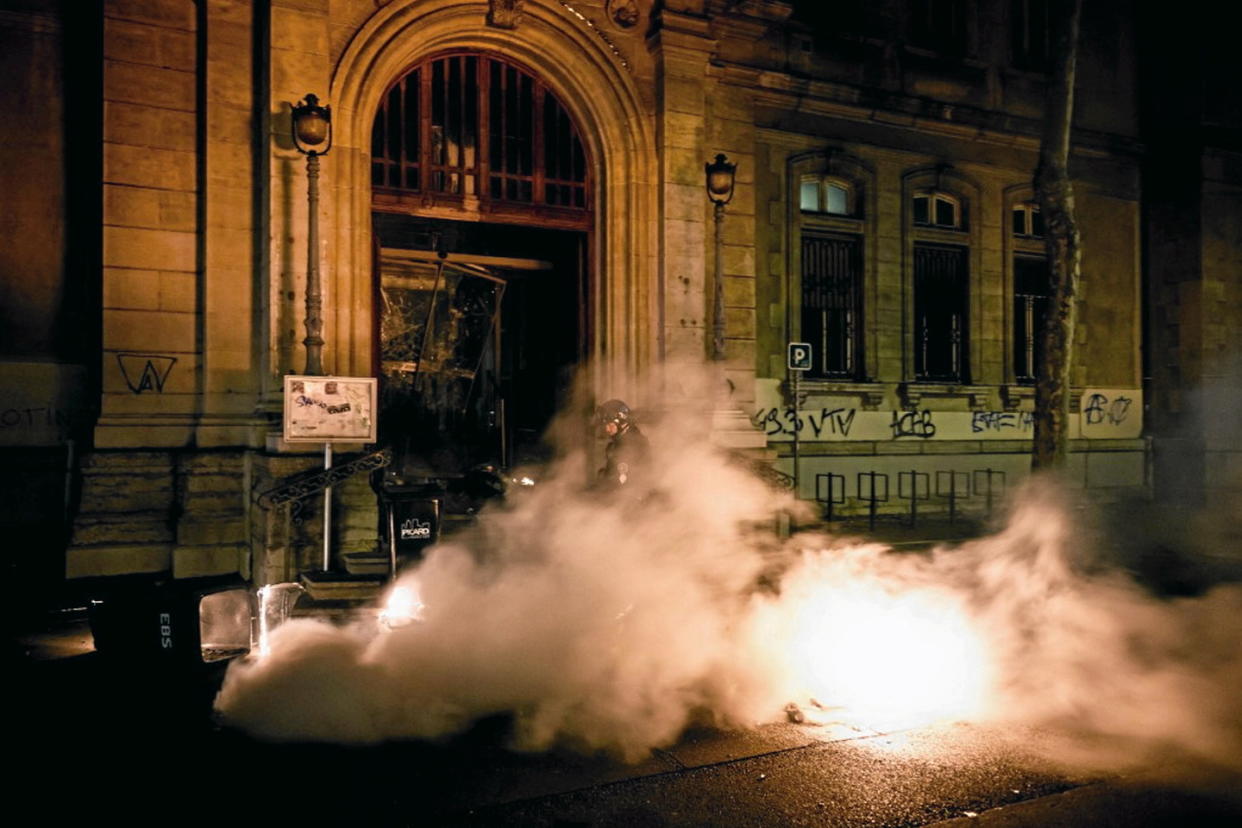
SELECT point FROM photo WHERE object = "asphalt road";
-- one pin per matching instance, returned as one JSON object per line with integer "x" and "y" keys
{"x": 97, "y": 742}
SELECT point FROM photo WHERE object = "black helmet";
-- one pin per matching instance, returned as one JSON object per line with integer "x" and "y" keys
{"x": 613, "y": 411}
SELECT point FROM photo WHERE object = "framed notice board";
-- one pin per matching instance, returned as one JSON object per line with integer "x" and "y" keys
{"x": 330, "y": 409}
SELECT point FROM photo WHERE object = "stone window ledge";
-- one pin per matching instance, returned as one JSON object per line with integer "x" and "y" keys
{"x": 1015, "y": 396}
{"x": 870, "y": 394}
{"x": 913, "y": 394}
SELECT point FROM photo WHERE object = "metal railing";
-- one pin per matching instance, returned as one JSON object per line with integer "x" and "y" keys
{"x": 298, "y": 487}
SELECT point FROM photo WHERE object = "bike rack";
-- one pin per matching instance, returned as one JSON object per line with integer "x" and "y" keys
{"x": 830, "y": 498}
{"x": 914, "y": 478}
{"x": 947, "y": 487}
{"x": 987, "y": 476}
{"x": 872, "y": 496}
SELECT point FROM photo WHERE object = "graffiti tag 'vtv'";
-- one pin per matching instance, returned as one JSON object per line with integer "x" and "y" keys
{"x": 773, "y": 421}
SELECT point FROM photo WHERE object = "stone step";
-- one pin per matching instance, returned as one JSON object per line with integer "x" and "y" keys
{"x": 341, "y": 586}
{"x": 366, "y": 563}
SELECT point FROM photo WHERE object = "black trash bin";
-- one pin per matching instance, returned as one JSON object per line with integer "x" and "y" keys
{"x": 185, "y": 622}
{"x": 413, "y": 523}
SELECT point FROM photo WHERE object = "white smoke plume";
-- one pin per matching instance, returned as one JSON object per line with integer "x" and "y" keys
{"x": 609, "y": 625}
{"x": 592, "y": 619}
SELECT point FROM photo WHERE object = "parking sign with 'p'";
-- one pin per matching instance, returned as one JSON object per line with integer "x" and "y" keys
{"x": 799, "y": 356}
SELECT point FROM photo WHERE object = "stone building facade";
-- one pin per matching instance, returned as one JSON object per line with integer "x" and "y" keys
{"x": 882, "y": 214}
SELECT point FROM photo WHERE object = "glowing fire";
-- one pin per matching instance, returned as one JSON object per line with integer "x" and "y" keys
{"x": 402, "y": 606}
{"x": 879, "y": 654}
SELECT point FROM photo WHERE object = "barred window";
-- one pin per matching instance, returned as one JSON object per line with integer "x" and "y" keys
{"x": 940, "y": 304}
{"x": 832, "y": 304}
{"x": 1031, "y": 291}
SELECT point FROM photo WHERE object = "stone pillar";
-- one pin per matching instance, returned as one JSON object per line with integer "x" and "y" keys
{"x": 230, "y": 329}
{"x": 681, "y": 45}
{"x": 178, "y": 327}
{"x": 150, "y": 185}
{"x": 690, "y": 132}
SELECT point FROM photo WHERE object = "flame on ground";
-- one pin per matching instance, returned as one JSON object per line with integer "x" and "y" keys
{"x": 872, "y": 651}
{"x": 402, "y": 605}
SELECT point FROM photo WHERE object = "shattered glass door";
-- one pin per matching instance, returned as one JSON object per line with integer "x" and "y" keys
{"x": 439, "y": 352}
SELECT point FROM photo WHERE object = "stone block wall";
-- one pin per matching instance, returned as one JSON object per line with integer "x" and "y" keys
{"x": 151, "y": 357}
{"x": 288, "y": 539}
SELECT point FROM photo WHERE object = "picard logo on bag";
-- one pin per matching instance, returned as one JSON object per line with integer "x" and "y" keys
{"x": 415, "y": 529}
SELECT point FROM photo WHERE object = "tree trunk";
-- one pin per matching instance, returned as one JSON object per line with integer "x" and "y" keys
{"x": 1056, "y": 201}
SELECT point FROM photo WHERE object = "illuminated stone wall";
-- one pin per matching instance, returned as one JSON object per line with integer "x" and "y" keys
{"x": 204, "y": 232}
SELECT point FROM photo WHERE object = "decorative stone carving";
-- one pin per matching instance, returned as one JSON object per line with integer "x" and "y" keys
{"x": 505, "y": 14}
{"x": 623, "y": 13}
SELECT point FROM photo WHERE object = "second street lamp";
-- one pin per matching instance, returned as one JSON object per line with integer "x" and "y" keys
{"x": 720, "y": 177}
{"x": 312, "y": 135}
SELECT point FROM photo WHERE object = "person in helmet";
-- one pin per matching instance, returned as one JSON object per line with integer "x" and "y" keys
{"x": 627, "y": 452}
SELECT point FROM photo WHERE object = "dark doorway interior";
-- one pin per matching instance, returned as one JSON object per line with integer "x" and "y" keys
{"x": 479, "y": 327}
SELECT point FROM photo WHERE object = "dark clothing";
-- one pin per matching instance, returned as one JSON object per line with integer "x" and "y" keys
{"x": 626, "y": 461}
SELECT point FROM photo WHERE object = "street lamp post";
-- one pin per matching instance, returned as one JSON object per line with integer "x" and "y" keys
{"x": 312, "y": 127}
{"x": 312, "y": 135}
{"x": 720, "y": 174}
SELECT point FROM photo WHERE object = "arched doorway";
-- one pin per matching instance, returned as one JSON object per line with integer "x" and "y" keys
{"x": 481, "y": 210}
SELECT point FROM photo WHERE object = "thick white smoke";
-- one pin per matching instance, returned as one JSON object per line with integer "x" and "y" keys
{"x": 593, "y": 619}
{"x": 606, "y": 624}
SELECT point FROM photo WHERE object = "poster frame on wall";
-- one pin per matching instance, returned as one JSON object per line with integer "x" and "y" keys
{"x": 314, "y": 409}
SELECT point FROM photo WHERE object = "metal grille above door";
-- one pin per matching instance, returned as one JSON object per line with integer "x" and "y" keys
{"x": 471, "y": 129}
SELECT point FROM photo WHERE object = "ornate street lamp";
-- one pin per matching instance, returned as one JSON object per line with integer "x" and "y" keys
{"x": 312, "y": 135}
{"x": 720, "y": 191}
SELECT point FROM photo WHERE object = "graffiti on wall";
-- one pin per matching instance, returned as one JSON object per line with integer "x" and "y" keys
{"x": 40, "y": 403}
{"x": 918, "y": 423}
{"x": 1107, "y": 413}
{"x": 1098, "y": 409}
{"x": 37, "y": 417}
{"x": 145, "y": 372}
{"x": 1103, "y": 414}
{"x": 1021, "y": 422}
{"x": 774, "y": 421}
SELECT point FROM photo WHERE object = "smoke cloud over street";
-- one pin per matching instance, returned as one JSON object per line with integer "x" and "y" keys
{"x": 609, "y": 624}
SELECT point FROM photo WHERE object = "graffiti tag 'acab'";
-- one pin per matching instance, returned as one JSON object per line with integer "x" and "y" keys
{"x": 917, "y": 423}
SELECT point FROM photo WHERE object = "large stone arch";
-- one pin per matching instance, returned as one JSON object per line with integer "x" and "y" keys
{"x": 601, "y": 96}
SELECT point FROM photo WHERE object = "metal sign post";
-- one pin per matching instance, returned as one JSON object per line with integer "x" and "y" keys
{"x": 327, "y": 511}
{"x": 797, "y": 360}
